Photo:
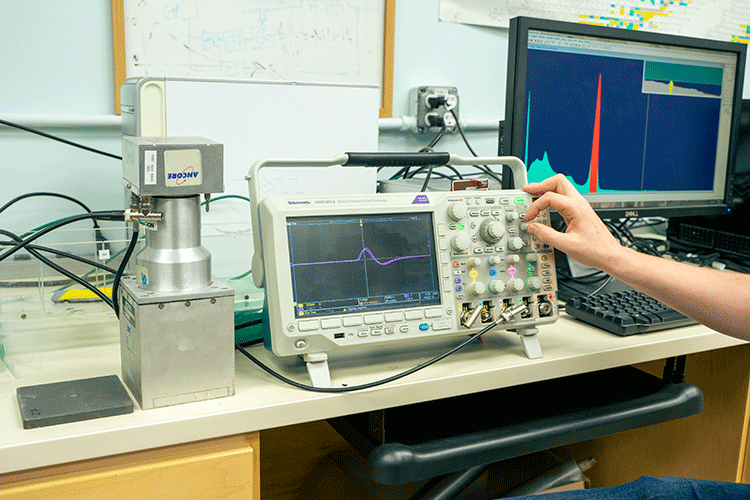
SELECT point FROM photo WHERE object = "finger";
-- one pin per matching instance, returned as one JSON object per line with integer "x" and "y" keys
{"x": 559, "y": 202}
{"x": 557, "y": 183}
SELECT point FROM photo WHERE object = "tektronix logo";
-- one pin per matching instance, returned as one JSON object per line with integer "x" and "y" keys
{"x": 289, "y": 202}
{"x": 421, "y": 199}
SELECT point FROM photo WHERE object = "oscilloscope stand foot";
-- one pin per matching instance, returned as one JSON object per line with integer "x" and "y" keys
{"x": 317, "y": 368}
{"x": 530, "y": 341}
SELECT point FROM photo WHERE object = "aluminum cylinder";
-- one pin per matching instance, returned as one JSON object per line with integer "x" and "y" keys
{"x": 174, "y": 259}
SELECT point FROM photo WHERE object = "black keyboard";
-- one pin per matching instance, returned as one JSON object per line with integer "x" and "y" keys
{"x": 624, "y": 313}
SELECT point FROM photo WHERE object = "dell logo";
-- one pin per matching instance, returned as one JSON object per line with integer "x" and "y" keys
{"x": 631, "y": 213}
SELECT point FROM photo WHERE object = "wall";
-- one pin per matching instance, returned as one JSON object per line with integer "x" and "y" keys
{"x": 58, "y": 67}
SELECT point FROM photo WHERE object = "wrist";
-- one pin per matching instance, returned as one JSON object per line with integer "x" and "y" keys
{"x": 620, "y": 261}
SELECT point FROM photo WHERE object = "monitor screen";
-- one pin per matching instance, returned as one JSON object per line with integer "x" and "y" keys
{"x": 360, "y": 263}
{"x": 642, "y": 123}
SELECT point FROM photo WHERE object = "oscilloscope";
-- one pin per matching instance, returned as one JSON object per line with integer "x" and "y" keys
{"x": 353, "y": 272}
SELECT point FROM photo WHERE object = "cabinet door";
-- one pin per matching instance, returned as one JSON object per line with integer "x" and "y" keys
{"x": 225, "y": 468}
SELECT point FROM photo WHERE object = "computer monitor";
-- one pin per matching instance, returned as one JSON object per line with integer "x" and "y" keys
{"x": 642, "y": 123}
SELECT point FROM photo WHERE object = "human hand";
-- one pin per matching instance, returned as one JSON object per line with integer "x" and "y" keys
{"x": 586, "y": 239}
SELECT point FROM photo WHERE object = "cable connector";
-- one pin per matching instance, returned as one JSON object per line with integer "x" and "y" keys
{"x": 137, "y": 216}
{"x": 470, "y": 316}
{"x": 509, "y": 313}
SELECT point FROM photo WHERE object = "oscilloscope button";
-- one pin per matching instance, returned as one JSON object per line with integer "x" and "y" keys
{"x": 371, "y": 319}
{"x": 441, "y": 324}
{"x": 329, "y": 323}
{"x": 403, "y": 329}
{"x": 433, "y": 312}
{"x": 352, "y": 320}
{"x": 412, "y": 315}
{"x": 307, "y": 325}
{"x": 394, "y": 317}
{"x": 424, "y": 327}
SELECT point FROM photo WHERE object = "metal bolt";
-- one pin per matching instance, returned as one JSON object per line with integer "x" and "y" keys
{"x": 300, "y": 344}
{"x": 187, "y": 303}
{"x": 213, "y": 301}
{"x": 161, "y": 306}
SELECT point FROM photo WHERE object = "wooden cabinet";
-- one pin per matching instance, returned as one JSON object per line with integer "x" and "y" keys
{"x": 711, "y": 445}
{"x": 222, "y": 468}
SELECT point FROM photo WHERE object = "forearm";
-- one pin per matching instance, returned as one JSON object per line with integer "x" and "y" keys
{"x": 719, "y": 300}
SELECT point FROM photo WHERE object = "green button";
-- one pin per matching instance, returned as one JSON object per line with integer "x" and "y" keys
{"x": 519, "y": 200}
{"x": 461, "y": 225}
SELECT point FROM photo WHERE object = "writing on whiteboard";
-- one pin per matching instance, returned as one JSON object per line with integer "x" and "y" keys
{"x": 291, "y": 40}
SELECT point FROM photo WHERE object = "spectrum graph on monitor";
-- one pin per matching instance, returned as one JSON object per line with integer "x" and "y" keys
{"x": 625, "y": 137}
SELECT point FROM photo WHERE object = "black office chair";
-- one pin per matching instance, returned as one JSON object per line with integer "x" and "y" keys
{"x": 452, "y": 441}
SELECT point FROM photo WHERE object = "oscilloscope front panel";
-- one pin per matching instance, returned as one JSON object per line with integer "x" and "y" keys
{"x": 347, "y": 271}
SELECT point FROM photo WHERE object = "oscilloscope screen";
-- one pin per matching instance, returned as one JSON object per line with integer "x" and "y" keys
{"x": 348, "y": 264}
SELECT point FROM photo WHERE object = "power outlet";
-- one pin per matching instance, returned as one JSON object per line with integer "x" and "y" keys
{"x": 434, "y": 107}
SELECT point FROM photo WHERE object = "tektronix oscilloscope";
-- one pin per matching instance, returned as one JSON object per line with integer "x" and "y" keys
{"x": 353, "y": 272}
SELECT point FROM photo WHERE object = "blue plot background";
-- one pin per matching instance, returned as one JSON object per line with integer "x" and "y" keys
{"x": 676, "y": 152}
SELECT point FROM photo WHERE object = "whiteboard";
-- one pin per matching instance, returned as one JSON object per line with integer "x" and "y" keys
{"x": 292, "y": 40}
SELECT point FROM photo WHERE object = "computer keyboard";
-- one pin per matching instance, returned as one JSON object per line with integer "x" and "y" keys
{"x": 624, "y": 313}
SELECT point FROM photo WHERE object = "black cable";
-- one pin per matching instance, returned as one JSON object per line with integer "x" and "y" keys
{"x": 370, "y": 384}
{"x": 42, "y": 193}
{"x": 59, "y": 139}
{"x": 576, "y": 290}
{"x": 111, "y": 215}
{"x": 97, "y": 230}
{"x": 68, "y": 255}
{"x": 437, "y": 138}
{"x": 252, "y": 322}
{"x": 484, "y": 168}
{"x": 426, "y": 179}
{"x": 60, "y": 269}
{"x": 121, "y": 271}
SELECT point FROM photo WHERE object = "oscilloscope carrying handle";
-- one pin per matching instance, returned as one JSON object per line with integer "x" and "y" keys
{"x": 360, "y": 160}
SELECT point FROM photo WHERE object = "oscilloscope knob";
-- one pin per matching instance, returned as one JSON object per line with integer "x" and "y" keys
{"x": 477, "y": 288}
{"x": 534, "y": 283}
{"x": 515, "y": 243}
{"x": 497, "y": 286}
{"x": 516, "y": 284}
{"x": 457, "y": 211}
{"x": 460, "y": 242}
{"x": 491, "y": 230}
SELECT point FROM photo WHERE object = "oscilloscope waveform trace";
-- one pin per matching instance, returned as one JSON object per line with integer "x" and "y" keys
{"x": 360, "y": 257}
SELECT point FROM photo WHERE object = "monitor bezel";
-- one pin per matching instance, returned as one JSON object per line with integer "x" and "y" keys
{"x": 511, "y": 137}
